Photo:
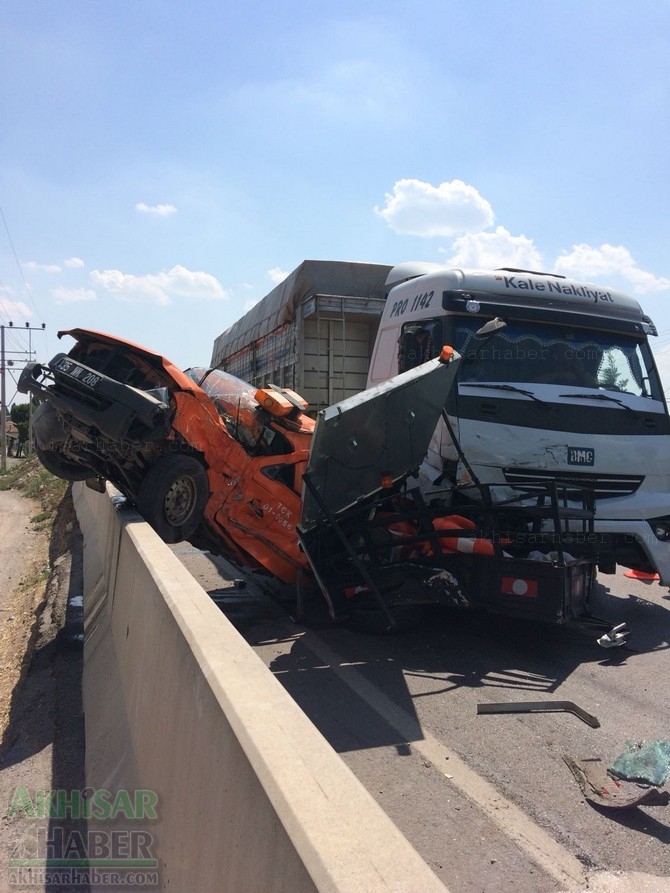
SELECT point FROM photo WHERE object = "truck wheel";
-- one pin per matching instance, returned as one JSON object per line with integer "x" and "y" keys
{"x": 58, "y": 465}
{"x": 173, "y": 496}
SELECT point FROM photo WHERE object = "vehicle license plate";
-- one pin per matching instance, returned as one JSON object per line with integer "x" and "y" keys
{"x": 80, "y": 373}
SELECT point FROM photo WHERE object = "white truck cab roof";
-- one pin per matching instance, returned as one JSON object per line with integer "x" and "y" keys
{"x": 520, "y": 287}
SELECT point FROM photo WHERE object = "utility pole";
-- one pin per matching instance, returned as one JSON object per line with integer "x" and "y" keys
{"x": 26, "y": 356}
{"x": 3, "y": 406}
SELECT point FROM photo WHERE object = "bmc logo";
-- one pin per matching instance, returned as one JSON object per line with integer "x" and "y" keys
{"x": 581, "y": 455}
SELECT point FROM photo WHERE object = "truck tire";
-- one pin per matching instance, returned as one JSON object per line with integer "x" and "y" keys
{"x": 58, "y": 465}
{"x": 173, "y": 496}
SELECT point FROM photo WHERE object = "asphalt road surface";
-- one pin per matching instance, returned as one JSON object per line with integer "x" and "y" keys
{"x": 487, "y": 799}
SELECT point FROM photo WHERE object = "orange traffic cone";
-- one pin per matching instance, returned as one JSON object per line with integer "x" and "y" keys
{"x": 475, "y": 545}
{"x": 641, "y": 575}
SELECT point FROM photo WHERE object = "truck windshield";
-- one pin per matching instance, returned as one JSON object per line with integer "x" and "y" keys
{"x": 541, "y": 353}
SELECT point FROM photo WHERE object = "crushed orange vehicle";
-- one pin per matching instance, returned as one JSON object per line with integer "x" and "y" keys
{"x": 201, "y": 453}
{"x": 196, "y": 451}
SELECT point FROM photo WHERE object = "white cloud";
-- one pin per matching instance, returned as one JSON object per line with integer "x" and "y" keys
{"x": 276, "y": 275}
{"x": 417, "y": 208}
{"x": 13, "y": 310}
{"x": 352, "y": 88}
{"x": 74, "y": 262}
{"x": 456, "y": 210}
{"x": 72, "y": 295}
{"x": 164, "y": 210}
{"x": 346, "y": 90}
{"x": 160, "y": 288}
{"x": 496, "y": 249}
{"x": 41, "y": 268}
{"x": 609, "y": 260}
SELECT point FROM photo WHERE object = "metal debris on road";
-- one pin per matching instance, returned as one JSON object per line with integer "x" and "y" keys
{"x": 600, "y": 788}
{"x": 540, "y": 707}
{"x": 615, "y": 637}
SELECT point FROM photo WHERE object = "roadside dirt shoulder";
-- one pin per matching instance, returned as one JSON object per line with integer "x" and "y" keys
{"x": 24, "y": 559}
{"x": 41, "y": 722}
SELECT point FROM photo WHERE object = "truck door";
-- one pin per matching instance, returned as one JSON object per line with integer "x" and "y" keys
{"x": 419, "y": 342}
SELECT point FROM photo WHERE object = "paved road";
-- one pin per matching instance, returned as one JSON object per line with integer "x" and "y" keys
{"x": 486, "y": 799}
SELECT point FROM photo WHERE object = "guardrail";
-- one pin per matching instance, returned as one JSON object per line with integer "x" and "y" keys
{"x": 199, "y": 762}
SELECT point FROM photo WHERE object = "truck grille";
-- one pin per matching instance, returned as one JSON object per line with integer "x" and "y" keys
{"x": 604, "y": 486}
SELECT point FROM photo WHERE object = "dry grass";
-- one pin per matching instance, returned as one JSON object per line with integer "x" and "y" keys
{"x": 33, "y": 480}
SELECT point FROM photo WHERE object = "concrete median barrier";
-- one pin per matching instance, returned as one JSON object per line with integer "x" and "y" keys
{"x": 198, "y": 761}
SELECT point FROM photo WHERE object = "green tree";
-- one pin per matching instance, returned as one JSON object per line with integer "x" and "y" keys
{"x": 20, "y": 414}
{"x": 610, "y": 377}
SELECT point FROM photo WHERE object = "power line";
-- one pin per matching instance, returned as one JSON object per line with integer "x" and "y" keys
{"x": 18, "y": 264}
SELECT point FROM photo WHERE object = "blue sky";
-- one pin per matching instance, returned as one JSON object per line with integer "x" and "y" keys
{"x": 164, "y": 164}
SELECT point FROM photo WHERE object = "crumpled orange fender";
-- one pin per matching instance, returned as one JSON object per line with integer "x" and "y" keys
{"x": 197, "y": 420}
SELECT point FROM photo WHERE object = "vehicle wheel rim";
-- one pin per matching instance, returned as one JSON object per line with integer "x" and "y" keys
{"x": 179, "y": 501}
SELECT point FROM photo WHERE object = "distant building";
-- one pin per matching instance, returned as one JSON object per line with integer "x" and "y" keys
{"x": 12, "y": 433}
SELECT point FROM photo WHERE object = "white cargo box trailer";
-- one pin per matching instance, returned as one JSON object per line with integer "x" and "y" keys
{"x": 313, "y": 333}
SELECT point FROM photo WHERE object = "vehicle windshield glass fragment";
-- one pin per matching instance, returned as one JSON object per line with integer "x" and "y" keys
{"x": 646, "y": 762}
{"x": 535, "y": 353}
{"x": 235, "y": 402}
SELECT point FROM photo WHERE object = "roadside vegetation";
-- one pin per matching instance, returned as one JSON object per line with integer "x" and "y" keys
{"x": 33, "y": 480}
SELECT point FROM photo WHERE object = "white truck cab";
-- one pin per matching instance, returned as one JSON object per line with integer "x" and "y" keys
{"x": 562, "y": 387}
